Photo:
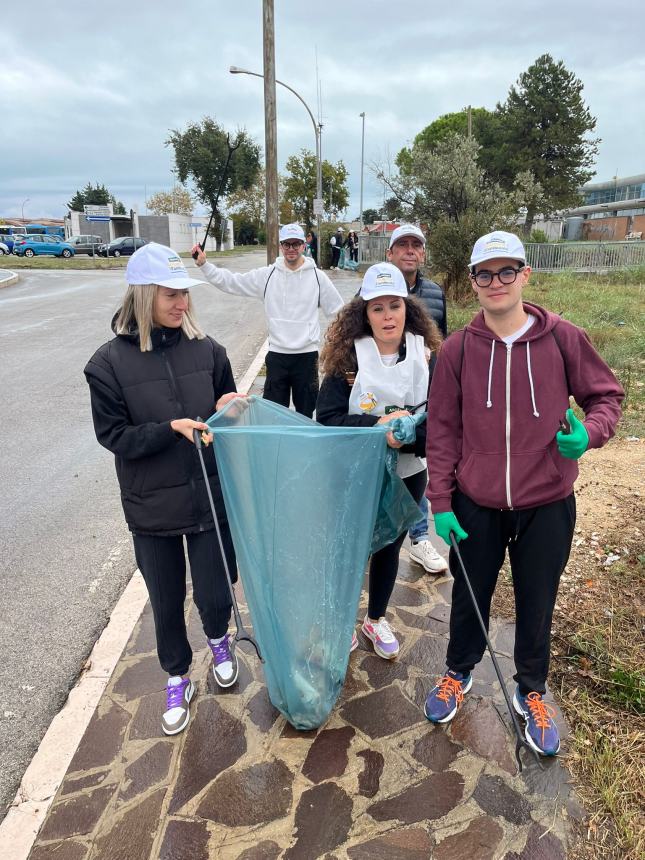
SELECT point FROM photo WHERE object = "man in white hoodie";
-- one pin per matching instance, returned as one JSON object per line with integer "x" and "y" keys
{"x": 292, "y": 290}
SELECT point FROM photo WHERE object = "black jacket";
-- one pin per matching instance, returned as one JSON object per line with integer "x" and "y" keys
{"x": 135, "y": 395}
{"x": 333, "y": 403}
{"x": 434, "y": 300}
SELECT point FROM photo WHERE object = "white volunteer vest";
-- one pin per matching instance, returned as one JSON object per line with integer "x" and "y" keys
{"x": 378, "y": 386}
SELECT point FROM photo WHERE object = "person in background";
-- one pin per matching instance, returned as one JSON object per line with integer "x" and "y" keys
{"x": 377, "y": 362}
{"x": 292, "y": 290}
{"x": 407, "y": 252}
{"x": 312, "y": 244}
{"x": 145, "y": 383}
{"x": 502, "y": 448}
{"x": 337, "y": 241}
{"x": 352, "y": 245}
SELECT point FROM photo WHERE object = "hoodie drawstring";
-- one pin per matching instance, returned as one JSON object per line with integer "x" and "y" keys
{"x": 489, "y": 402}
{"x": 528, "y": 365}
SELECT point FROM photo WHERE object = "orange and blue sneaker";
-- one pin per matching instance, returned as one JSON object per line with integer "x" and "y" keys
{"x": 446, "y": 696}
{"x": 540, "y": 731}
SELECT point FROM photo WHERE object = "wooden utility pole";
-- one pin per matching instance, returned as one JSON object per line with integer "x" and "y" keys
{"x": 270, "y": 132}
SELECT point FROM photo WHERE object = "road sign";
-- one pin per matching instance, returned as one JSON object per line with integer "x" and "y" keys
{"x": 319, "y": 206}
{"x": 97, "y": 217}
{"x": 106, "y": 210}
{"x": 195, "y": 224}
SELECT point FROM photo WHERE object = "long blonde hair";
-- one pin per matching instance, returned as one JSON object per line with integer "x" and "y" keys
{"x": 136, "y": 312}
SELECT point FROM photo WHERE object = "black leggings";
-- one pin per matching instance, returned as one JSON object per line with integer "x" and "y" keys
{"x": 384, "y": 565}
{"x": 162, "y": 562}
{"x": 538, "y": 542}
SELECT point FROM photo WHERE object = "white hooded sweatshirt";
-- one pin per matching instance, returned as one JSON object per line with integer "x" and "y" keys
{"x": 291, "y": 300}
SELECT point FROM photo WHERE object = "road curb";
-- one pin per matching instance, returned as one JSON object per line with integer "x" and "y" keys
{"x": 8, "y": 278}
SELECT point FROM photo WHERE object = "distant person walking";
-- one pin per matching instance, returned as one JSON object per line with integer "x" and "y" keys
{"x": 312, "y": 244}
{"x": 337, "y": 241}
{"x": 352, "y": 245}
{"x": 292, "y": 290}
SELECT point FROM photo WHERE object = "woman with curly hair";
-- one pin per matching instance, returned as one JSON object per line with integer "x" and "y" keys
{"x": 377, "y": 359}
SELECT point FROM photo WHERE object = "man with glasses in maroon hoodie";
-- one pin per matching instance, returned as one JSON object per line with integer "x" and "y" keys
{"x": 502, "y": 448}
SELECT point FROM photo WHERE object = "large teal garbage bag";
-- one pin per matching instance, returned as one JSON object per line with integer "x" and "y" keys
{"x": 301, "y": 501}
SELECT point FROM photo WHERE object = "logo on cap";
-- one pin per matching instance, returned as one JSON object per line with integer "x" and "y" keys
{"x": 175, "y": 264}
{"x": 495, "y": 244}
{"x": 384, "y": 279}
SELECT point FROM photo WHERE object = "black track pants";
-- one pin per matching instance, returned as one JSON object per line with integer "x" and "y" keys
{"x": 538, "y": 542}
{"x": 292, "y": 375}
{"x": 162, "y": 562}
{"x": 384, "y": 565}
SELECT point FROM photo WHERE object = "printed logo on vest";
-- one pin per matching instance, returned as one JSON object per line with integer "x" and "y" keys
{"x": 367, "y": 402}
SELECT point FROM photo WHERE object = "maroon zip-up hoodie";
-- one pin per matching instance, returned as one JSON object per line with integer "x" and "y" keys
{"x": 492, "y": 422}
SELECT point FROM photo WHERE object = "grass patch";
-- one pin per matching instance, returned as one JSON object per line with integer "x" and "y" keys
{"x": 611, "y": 309}
{"x": 14, "y": 263}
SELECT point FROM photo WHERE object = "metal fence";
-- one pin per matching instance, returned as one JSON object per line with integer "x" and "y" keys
{"x": 572, "y": 256}
{"x": 585, "y": 256}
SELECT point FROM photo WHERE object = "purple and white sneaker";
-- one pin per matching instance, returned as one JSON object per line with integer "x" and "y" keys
{"x": 380, "y": 633}
{"x": 177, "y": 714}
{"x": 225, "y": 666}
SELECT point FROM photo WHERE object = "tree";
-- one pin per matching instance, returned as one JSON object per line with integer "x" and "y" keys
{"x": 394, "y": 210}
{"x": 447, "y": 189}
{"x": 250, "y": 203}
{"x": 95, "y": 195}
{"x": 178, "y": 200}
{"x": 483, "y": 128}
{"x": 545, "y": 126}
{"x": 300, "y": 186}
{"x": 201, "y": 153}
{"x": 370, "y": 216}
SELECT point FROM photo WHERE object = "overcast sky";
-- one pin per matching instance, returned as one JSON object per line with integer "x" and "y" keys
{"x": 89, "y": 91}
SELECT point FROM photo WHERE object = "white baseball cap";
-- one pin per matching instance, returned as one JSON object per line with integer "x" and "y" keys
{"x": 292, "y": 231}
{"x": 406, "y": 230}
{"x": 495, "y": 245}
{"x": 383, "y": 279}
{"x": 157, "y": 264}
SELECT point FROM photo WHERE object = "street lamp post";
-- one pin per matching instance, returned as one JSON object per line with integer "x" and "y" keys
{"x": 235, "y": 70}
{"x": 362, "y": 115}
{"x": 26, "y": 200}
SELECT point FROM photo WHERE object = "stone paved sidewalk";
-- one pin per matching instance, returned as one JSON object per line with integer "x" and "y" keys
{"x": 376, "y": 781}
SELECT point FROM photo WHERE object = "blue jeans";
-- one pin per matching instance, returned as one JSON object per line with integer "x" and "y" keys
{"x": 419, "y": 530}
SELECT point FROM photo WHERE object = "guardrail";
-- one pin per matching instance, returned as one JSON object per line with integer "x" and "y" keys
{"x": 584, "y": 256}
{"x": 551, "y": 257}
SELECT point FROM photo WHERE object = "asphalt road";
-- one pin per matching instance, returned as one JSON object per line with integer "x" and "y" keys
{"x": 65, "y": 552}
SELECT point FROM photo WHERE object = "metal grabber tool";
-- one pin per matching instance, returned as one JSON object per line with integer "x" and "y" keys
{"x": 231, "y": 150}
{"x": 241, "y": 633}
{"x": 520, "y": 740}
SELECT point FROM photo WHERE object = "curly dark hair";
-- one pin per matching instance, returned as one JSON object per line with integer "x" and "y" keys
{"x": 338, "y": 356}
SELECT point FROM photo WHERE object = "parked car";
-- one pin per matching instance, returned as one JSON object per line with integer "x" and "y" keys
{"x": 85, "y": 244}
{"x": 4, "y": 249}
{"x": 122, "y": 247}
{"x": 32, "y": 245}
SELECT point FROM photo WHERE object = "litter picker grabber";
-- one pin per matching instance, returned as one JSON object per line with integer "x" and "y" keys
{"x": 520, "y": 740}
{"x": 231, "y": 150}
{"x": 241, "y": 633}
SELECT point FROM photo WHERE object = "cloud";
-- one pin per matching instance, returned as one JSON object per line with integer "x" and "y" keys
{"x": 90, "y": 95}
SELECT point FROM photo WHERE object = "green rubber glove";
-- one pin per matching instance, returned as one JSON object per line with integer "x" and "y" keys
{"x": 446, "y": 523}
{"x": 573, "y": 445}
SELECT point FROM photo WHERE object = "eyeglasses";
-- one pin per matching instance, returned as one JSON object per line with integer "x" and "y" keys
{"x": 507, "y": 276}
{"x": 292, "y": 246}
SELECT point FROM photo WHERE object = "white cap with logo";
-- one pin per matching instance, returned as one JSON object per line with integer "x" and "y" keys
{"x": 383, "y": 279}
{"x": 497, "y": 245}
{"x": 291, "y": 231}
{"x": 407, "y": 230}
{"x": 158, "y": 264}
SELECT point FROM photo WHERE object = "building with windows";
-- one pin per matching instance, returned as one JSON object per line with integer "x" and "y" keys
{"x": 611, "y": 211}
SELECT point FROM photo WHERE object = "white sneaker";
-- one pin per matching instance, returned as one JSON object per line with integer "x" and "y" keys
{"x": 427, "y": 556}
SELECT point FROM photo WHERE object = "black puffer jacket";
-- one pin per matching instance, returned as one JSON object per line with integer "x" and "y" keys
{"x": 434, "y": 300}
{"x": 135, "y": 395}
